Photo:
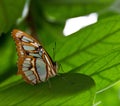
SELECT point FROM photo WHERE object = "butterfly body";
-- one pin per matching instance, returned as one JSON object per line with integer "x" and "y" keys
{"x": 34, "y": 64}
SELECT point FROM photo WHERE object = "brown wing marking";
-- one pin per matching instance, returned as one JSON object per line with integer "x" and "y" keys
{"x": 28, "y": 48}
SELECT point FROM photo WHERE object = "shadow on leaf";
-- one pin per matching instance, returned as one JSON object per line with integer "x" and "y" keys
{"x": 64, "y": 85}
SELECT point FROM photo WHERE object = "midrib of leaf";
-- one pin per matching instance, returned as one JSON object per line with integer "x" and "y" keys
{"x": 83, "y": 47}
{"x": 90, "y": 45}
{"x": 95, "y": 69}
{"x": 101, "y": 69}
{"x": 96, "y": 54}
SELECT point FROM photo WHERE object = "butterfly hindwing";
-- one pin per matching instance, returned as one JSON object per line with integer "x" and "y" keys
{"x": 34, "y": 64}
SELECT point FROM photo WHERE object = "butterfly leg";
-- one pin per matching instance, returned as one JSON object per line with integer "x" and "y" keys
{"x": 60, "y": 68}
{"x": 49, "y": 84}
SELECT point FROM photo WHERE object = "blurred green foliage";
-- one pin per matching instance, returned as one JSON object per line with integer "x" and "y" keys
{"x": 90, "y": 57}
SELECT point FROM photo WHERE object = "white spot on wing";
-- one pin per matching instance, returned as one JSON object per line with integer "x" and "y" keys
{"x": 27, "y": 73}
{"x": 26, "y": 65}
{"x": 47, "y": 59}
{"x": 26, "y": 39}
{"x": 53, "y": 72}
{"x": 34, "y": 81}
{"x": 28, "y": 59}
{"x": 31, "y": 77}
{"x": 28, "y": 47}
{"x": 50, "y": 68}
{"x": 36, "y": 44}
{"x": 18, "y": 34}
{"x": 26, "y": 62}
{"x": 24, "y": 69}
{"x": 35, "y": 55}
{"x": 21, "y": 52}
{"x": 41, "y": 69}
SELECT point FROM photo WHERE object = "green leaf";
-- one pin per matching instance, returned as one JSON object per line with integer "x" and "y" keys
{"x": 51, "y": 31}
{"x": 10, "y": 11}
{"x": 7, "y": 52}
{"x": 109, "y": 97}
{"x": 93, "y": 51}
{"x": 8, "y": 57}
{"x": 60, "y": 10}
{"x": 88, "y": 56}
{"x": 66, "y": 89}
{"x": 45, "y": 27}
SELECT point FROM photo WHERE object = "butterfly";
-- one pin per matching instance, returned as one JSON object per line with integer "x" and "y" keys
{"x": 34, "y": 63}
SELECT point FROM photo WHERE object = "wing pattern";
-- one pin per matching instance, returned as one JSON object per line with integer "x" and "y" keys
{"x": 34, "y": 64}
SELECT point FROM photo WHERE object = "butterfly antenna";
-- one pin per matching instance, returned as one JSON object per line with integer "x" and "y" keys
{"x": 54, "y": 51}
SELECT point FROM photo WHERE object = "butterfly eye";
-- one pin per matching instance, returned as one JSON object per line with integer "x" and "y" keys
{"x": 41, "y": 51}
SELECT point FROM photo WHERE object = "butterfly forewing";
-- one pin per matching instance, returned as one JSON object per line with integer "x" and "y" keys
{"x": 34, "y": 64}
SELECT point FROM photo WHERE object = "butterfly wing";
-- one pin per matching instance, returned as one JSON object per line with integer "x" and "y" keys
{"x": 34, "y": 64}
